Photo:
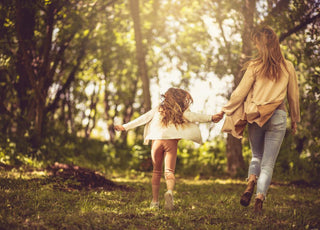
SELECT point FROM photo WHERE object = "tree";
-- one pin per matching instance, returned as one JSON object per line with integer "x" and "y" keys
{"x": 39, "y": 60}
{"x": 142, "y": 67}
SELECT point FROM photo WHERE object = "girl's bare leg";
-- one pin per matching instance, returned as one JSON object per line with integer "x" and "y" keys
{"x": 157, "y": 155}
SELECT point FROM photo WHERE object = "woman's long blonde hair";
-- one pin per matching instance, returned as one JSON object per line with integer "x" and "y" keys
{"x": 175, "y": 102}
{"x": 270, "y": 58}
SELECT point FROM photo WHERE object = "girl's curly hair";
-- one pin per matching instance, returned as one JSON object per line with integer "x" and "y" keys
{"x": 175, "y": 102}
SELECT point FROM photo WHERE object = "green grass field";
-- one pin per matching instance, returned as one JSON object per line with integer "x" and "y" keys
{"x": 32, "y": 200}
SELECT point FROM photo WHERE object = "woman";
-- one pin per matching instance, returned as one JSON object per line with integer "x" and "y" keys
{"x": 259, "y": 100}
{"x": 165, "y": 126}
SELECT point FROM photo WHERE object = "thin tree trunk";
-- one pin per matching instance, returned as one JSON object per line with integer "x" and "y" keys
{"x": 93, "y": 109}
{"x": 69, "y": 118}
{"x": 142, "y": 67}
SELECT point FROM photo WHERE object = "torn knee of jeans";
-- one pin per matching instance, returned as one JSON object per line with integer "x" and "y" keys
{"x": 261, "y": 196}
{"x": 257, "y": 177}
{"x": 256, "y": 159}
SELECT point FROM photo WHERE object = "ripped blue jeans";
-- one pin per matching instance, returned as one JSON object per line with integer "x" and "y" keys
{"x": 265, "y": 144}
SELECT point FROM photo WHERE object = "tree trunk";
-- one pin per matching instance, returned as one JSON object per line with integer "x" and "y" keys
{"x": 234, "y": 146}
{"x": 234, "y": 155}
{"x": 31, "y": 104}
{"x": 142, "y": 67}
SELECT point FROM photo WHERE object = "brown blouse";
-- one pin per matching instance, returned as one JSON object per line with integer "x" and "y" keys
{"x": 256, "y": 98}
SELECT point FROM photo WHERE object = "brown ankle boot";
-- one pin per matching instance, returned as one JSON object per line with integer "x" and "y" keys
{"x": 247, "y": 194}
{"x": 258, "y": 206}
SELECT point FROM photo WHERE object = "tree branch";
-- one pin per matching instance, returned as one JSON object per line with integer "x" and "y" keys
{"x": 299, "y": 27}
{"x": 71, "y": 77}
{"x": 58, "y": 57}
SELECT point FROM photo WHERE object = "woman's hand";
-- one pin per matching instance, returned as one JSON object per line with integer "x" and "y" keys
{"x": 119, "y": 128}
{"x": 217, "y": 117}
{"x": 293, "y": 127}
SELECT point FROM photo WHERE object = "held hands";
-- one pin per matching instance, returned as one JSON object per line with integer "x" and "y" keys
{"x": 119, "y": 128}
{"x": 217, "y": 117}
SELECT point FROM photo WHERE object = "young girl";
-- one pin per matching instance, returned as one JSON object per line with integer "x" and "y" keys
{"x": 165, "y": 126}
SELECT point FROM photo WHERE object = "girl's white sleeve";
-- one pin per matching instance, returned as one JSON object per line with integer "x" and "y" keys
{"x": 196, "y": 117}
{"x": 143, "y": 119}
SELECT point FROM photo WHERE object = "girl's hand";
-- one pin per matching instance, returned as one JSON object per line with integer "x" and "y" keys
{"x": 217, "y": 117}
{"x": 119, "y": 128}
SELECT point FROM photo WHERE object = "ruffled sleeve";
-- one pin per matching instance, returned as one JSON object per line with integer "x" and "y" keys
{"x": 142, "y": 120}
{"x": 240, "y": 93}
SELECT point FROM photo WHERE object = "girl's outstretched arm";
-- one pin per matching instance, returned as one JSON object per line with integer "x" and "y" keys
{"x": 143, "y": 119}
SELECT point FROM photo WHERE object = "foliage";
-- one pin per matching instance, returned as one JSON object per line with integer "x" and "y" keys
{"x": 36, "y": 201}
{"x": 294, "y": 166}
{"x": 68, "y": 72}
{"x": 299, "y": 156}
{"x": 41, "y": 52}
{"x": 205, "y": 161}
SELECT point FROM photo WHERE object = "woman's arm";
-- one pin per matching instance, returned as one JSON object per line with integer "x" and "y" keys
{"x": 293, "y": 94}
{"x": 240, "y": 93}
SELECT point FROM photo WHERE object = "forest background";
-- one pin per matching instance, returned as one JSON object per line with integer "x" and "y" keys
{"x": 70, "y": 70}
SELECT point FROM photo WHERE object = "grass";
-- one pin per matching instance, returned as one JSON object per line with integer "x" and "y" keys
{"x": 32, "y": 200}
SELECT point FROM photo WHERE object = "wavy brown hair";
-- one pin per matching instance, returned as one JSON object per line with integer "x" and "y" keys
{"x": 270, "y": 58}
{"x": 175, "y": 102}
